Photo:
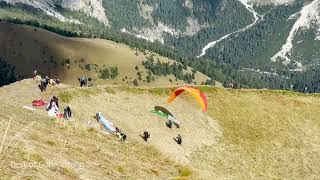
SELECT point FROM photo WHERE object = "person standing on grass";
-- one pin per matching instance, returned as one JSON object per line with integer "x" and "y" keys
{"x": 53, "y": 107}
{"x": 178, "y": 139}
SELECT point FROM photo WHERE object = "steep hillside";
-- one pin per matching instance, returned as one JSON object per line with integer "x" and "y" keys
{"x": 92, "y": 8}
{"x": 249, "y": 43}
{"x": 245, "y": 134}
{"x": 26, "y": 49}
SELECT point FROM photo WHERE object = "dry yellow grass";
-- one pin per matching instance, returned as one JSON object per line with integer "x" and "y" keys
{"x": 246, "y": 134}
{"x": 69, "y": 151}
{"x": 267, "y": 135}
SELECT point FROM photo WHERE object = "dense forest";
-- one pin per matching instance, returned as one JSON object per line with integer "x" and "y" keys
{"x": 159, "y": 68}
{"x": 7, "y": 73}
{"x": 226, "y": 63}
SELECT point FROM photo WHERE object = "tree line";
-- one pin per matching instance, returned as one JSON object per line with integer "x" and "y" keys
{"x": 223, "y": 66}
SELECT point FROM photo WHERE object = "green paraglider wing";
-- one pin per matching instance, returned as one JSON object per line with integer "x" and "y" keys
{"x": 160, "y": 114}
{"x": 163, "y": 110}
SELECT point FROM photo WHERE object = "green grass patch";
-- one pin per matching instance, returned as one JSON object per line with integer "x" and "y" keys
{"x": 155, "y": 171}
{"x": 184, "y": 171}
{"x": 132, "y": 90}
{"x": 65, "y": 96}
{"x": 51, "y": 143}
{"x": 160, "y": 91}
{"x": 110, "y": 91}
{"x": 211, "y": 89}
{"x": 92, "y": 130}
{"x": 68, "y": 172}
{"x": 88, "y": 91}
{"x": 120, "y": 169}
{"x": 37, "y": 158}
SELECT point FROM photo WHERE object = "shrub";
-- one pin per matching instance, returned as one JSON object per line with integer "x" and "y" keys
{"x": 135, "y": 82}
{"x": 104, "y": 74}
{"x": 114, "y": 72}
{"x": 67, "y": 61}
{"x": 87, "y": 67}
{"x": 184, "y": 171}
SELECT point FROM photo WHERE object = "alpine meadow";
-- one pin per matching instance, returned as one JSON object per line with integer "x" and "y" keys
{"x": 159, "y": 89}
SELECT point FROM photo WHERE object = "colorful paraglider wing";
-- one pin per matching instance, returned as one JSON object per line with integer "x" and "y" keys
{"x": 159, "y": 113}
{"x": 107, "y": 124}
{"x": 200, "y": 97}
{"x": 163, "y": 109}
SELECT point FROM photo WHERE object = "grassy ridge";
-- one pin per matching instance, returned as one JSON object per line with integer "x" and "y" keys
{"x": 264, "y": 134}
{"x": 27, "y": 48}
{"x": 70, "y": 150}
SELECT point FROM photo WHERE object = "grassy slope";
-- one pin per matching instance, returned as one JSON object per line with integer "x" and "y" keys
{"x": 25, "y": 47}
{"x": 76, "y": 150}
{"x": 267, "y": 134}
{"x": 245, "y": 134}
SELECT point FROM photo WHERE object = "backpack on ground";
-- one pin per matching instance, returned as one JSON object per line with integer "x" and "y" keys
{"x": 67, "y": 112}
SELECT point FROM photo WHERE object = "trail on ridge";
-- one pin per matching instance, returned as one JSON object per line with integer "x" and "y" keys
{"x": 307, "y": 16}
{"x": 257, "y": 18}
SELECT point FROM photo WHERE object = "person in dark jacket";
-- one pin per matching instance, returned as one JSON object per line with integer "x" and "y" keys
{"x": 178, "y": 139}
{"x": 84, "y": 81}
{"x": 67, "y": 112}
{"x": 43, "y": 84}
{"x": 121, "y": 135}
{"x": 145, "y": 136}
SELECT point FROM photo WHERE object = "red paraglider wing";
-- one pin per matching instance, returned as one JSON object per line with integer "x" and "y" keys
{"x": 199, "y": 96}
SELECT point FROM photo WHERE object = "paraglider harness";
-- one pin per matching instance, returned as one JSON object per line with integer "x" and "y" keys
{"x": 178, "y": 139}
{"x": 122, "y": 136}
{"x": 169, "y": 123}
{"x": 146, "y": 135}
{"x": 67, "y": 113}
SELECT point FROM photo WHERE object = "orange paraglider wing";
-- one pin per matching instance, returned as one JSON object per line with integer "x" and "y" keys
{"x": 197, "y": 94}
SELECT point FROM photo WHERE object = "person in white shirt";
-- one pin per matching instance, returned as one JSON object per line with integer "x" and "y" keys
{"x": 53, "y": 107}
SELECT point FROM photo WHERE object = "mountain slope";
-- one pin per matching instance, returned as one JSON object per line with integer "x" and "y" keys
{"x": 37, "y": 147}
{"x": 245, "y": 134}
{"x": 308, "y": 17}
{"x": 251, "y": 43}
{"x": 28, "y": 48}
{"x": 93, "y": 8}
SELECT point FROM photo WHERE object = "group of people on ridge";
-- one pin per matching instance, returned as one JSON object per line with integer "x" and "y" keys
{"x": 44, "y": 82}
{"x": 169, "y": 123}
{"x": 53, "y": 111}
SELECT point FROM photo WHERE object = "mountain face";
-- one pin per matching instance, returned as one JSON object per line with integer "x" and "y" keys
{"x": 92, "y": 8}
{"x": 275, "y": 39}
